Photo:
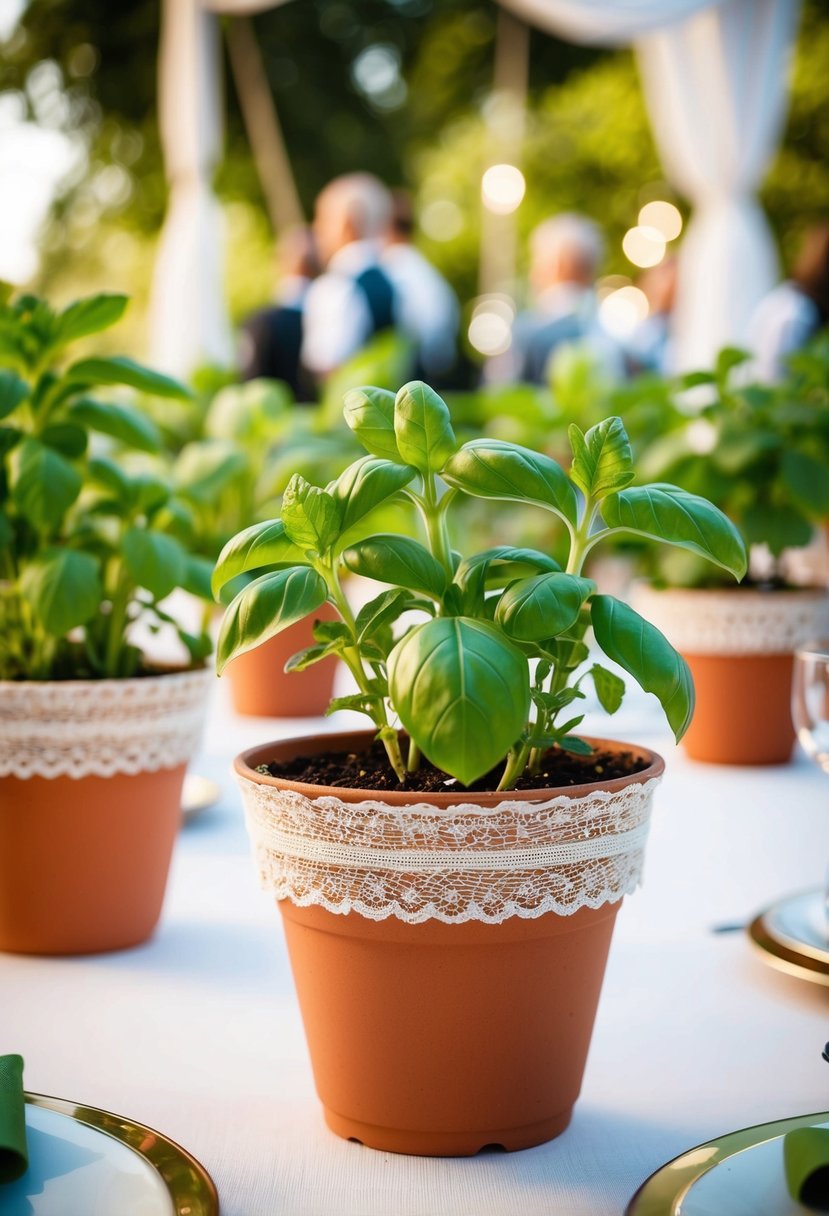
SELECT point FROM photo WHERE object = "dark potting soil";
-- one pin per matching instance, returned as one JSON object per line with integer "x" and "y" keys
{"x": 370, "y": 770}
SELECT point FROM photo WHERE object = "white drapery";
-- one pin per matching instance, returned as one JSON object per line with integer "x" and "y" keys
{"x": 715, "y": 80}
{"x": 715, "y": 74}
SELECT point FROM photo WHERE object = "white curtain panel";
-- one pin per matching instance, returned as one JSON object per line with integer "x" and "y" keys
{"x": 189, "y": 325}
{"x": 715, "y": 76}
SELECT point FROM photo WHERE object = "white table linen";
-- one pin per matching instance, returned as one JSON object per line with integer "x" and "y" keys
{"x": 198, "y": 1032}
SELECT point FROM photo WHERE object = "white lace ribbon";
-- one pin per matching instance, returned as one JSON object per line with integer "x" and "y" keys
{"x": 453, "y": 864}
{"x": 81, "y": 728}
{"x": 735, "y": 622}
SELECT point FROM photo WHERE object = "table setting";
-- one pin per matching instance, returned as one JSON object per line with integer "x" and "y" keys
{"x": 197, "y": 1033}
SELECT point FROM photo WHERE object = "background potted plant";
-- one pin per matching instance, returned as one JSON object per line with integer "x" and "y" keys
{"x": 448, "y": 907}
{"x": 94, "y": 740}
{"x": 761, "y": 453}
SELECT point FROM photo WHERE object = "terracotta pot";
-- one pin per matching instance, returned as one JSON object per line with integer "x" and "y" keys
{"x": 428, "y": 1034}
{"x": 739, "y": 644}
{"x": 90, "y": 803}
{"x": 260, "y": 686}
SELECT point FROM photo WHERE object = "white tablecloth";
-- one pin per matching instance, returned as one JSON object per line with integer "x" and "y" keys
{"x": 198, "y": 1033}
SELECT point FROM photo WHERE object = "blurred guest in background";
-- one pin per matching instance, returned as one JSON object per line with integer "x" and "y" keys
{"x": 565, "y": 255}
{"x": 353, "y": 299}
{"x": 795, "y": 310}
{"x": 271, "y": 340}
{"x": 649, "y": 346}
{"x": 427, "y": 307}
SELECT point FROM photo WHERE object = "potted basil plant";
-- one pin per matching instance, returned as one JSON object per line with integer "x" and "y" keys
{"x": 761, "y": 453}
{"x": 94, "y": 740}
{"x": 449, "y": 878}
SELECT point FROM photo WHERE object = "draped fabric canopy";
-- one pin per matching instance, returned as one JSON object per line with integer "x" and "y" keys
{"x": 714, "y": 73}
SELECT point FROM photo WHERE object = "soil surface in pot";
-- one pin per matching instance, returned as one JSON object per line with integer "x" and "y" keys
{"x": 371, "y": 770}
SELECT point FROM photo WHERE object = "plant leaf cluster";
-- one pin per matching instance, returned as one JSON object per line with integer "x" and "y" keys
{"x": 488, "y": 673}
{"x": 87, "y": 545}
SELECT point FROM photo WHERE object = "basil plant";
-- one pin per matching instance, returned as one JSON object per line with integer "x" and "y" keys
{"x": 90, "y": 539}
{"x": 489, "y": 671}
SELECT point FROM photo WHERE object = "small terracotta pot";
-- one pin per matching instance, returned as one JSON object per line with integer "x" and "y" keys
{"x": 260, "y": 686}
{"x": 739, "y": 645}
{"x": 89, "y": 807}
{"x": 437, "y": 1038}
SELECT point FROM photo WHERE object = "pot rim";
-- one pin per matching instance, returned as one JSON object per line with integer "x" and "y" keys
{"x": 789, "y": 592}
{"x": 245, "y": 763}
{"x": 161, "y": 673}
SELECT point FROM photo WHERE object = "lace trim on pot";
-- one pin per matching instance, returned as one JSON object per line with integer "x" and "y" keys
{"x": 83, "y": 728}
{"x": 735, "y": 622}
{"x": 454, "y": 864}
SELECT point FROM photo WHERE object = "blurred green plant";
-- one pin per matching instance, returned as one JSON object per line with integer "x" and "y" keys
{"x": 759, "y": 451}
{"x": 87, "y": 548}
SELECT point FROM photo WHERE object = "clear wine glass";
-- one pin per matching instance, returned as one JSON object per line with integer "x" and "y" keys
{"x": 810, "y": 701}
{"x": 810, "y": 711}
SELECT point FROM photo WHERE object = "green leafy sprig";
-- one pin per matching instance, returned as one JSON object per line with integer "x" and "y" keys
{"x": 489, "y": 674}
{"x": 86, "y": 545}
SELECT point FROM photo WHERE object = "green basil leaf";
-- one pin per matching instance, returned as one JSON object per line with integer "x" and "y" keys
{"x": 366, "y": 484}
{"x": 44, "y": 484}
{"x": 462, "y": 691}
{"x": 610, "y": 688}
{"x": 602, "y": 459}
{"x": 807, "y": 481}
{"x": 647, "y": 655}
{"x": 496, "y": 567}
{"x": 105, "y": 472}
{"x": 265, "y": 607}
{"x": 532, "y": 609}
{"x": 260, "y": 545}
{"x": 423, "y": 428}
{"x": 154, "y": 561}
{"x": 126, "y": 425}
{"x": 398, "y": 560}
{"x": 9, "y": 437}
{"x": 117, "y": 369}
{"x": 666, "y": 513}
{"x": 13, "y": 390}
{"x": 566, "y": 652}
{"x": 63, "y": 588}
{"x": 204, "y": 469}
{"x": 308, "y": 657}
{"x": 369, "y": 412}
{"x": 572, "y": 743}
{"x": 493, "y": 468}
{"x": 311, "y": 516}
{"x": 88, "y": 316}
{"x": 66, "y": 438}
{"x": 195, "y": 576}
{"x": 149, "y": 492}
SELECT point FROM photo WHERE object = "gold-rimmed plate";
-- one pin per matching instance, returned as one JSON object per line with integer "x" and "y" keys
{"x": 90, "y": 1161}
{"x": 740, "y": 1174}
{"x": 791, "y": 935}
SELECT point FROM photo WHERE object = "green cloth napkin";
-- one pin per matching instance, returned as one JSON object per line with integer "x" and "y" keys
{"x": 806, "y": 1160}
{"x": 14, "y": 1160}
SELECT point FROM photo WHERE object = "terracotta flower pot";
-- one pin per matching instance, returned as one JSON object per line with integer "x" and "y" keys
{"x": 260, "y": 686}
{"x": 90, "y": 803}
{"x": 448, "y": 950}
{"x": 739, "y": 644}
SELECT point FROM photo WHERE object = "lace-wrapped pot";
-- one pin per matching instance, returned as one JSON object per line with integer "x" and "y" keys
{"x": 260, "y": 686}
{"x": 448, "y": 949}
{"x": 739, "y": 644}
{"x": 90, "y": 802}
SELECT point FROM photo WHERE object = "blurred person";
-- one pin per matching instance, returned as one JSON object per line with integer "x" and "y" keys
{"x": 793, "y": 311}
{"x": 353, "y": 299}
{"x": 565, "y": 254}
{"x": 649, "y": 347}
{"x": 427, "y": 307}
{"x": 271, "y": 340}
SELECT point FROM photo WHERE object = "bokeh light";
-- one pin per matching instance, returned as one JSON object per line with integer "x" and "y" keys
{"x": 644, "y": 246}
{"x": 490, "y": 329}
{"x": 621, "y": 311}
{"x": 662, "y": 216}
{"x": 441, "y": 220}
{"x": 502, "y": 188}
